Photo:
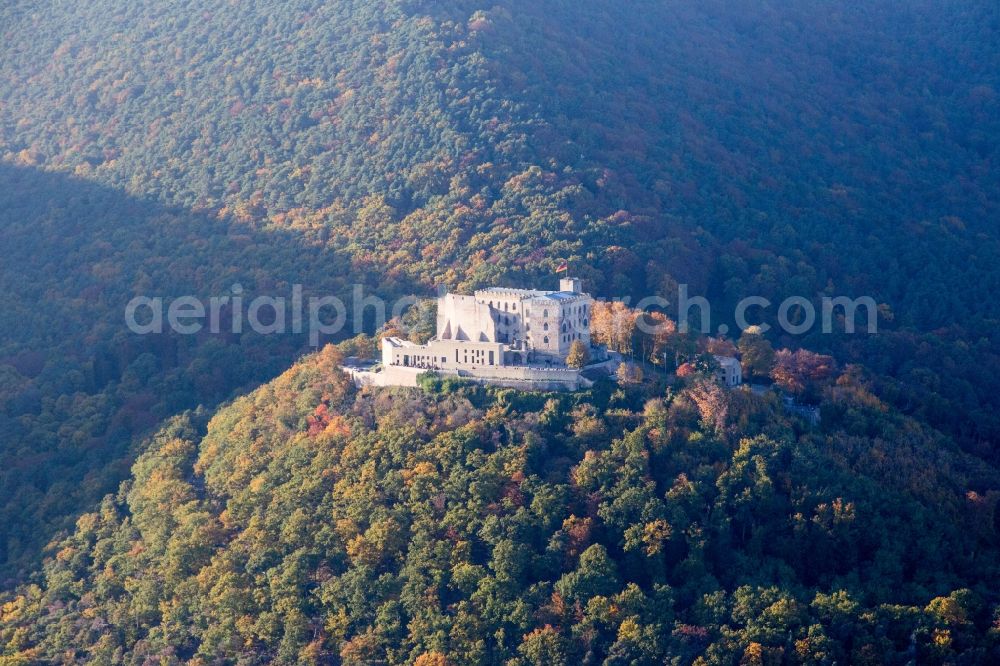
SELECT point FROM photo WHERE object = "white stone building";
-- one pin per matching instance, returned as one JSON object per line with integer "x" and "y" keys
{"x": 730, "y": 373}
{"x": 500, "y": 328}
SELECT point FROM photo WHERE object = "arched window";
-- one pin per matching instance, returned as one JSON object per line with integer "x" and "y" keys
{"x": 545, "y": 326}
{"x": 545, "y": 339}
{"x": 564, "y": 328}
{"x": 545, "y": 313}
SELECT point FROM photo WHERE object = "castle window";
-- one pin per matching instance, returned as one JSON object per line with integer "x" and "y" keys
{"x": 545, "y": 339}
{"x": 545, "y": 326}
{"x": 545, "y": 313}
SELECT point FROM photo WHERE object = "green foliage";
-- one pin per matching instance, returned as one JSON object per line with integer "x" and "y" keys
{"x": 802, "y": 149}
{"x": 313, "y": 522}
{"x": 756, "y": 353}
{"x": 162, "y": 148}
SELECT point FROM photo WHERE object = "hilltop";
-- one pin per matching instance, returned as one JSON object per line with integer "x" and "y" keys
{"x": 308, "y": 522}
{"x": 170, "y": 148}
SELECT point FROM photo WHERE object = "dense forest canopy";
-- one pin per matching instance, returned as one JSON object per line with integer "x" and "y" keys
{"x": 809, "y": 148}
{"x": 804, "y": 144}
{"x": 311, "y": 523}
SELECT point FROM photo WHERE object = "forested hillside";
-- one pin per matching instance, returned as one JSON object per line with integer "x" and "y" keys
{"x": 171, "y": 148}
{"x": 809, "y": 144}
{"x": 310, "y": 523}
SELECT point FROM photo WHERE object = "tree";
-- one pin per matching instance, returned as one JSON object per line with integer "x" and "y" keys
{"x": 542, "y": 647}
{"x": 757, "y": 355}
{"x": 712, "y": 402}
{"x": 613, "y": 324}
{"x": 629, "y": 373}
{"x": 720, "y": 347}
{"x": 801, "y": 371}
{"x": 595, "y": 575}
{"x": 655, "y": 333}
{"x": 420, "y": 321}
{"x": 578, "y": 355}
{"x": 361, "y": 346}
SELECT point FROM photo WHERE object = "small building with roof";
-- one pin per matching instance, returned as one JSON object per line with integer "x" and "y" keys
{"x": 730, "y": 373}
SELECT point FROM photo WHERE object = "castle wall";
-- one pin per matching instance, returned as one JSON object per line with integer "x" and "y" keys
{"x": 462, "y": 318}
{"x": 538, "y": 380}
{"x": 527, "y": 378}
{"x": 441, "y": 354}
{"x": 554, "y": 323}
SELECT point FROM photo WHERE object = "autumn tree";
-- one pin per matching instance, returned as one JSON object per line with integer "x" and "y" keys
{"x": 629, "y": 373}
{"x": 801, "y": 371}
{"x": 613, "y": 324}
{"x": 578, "y": 355}
{"x": 720, "y": 346}
{"x": 655, "y": 334}
{"x": 712, "y": 403}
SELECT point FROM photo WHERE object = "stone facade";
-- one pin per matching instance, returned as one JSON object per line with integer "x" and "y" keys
{"x": 442, "y": 354}
{"x": 730, "y": 373}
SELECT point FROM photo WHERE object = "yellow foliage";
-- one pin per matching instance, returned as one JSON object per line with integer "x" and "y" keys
{"x": 431, "y": 659}
{"x": 629, "y": 630}
{"x": 11, "y": 611}
{"x": 654, "y": 535}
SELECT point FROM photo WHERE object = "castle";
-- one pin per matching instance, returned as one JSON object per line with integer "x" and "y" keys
{"x": 500, "y": 327}
{"x": 513, "y": 337}
{"x": 519, "y": 338}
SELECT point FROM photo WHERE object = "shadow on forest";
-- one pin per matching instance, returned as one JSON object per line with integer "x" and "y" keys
{"x": 77, "y": 389}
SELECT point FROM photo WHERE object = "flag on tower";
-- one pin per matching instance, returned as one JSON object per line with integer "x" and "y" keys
{"x": 562, "y": 267}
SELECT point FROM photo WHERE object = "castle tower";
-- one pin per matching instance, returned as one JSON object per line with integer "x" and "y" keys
{"x": 571, "y": 285}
